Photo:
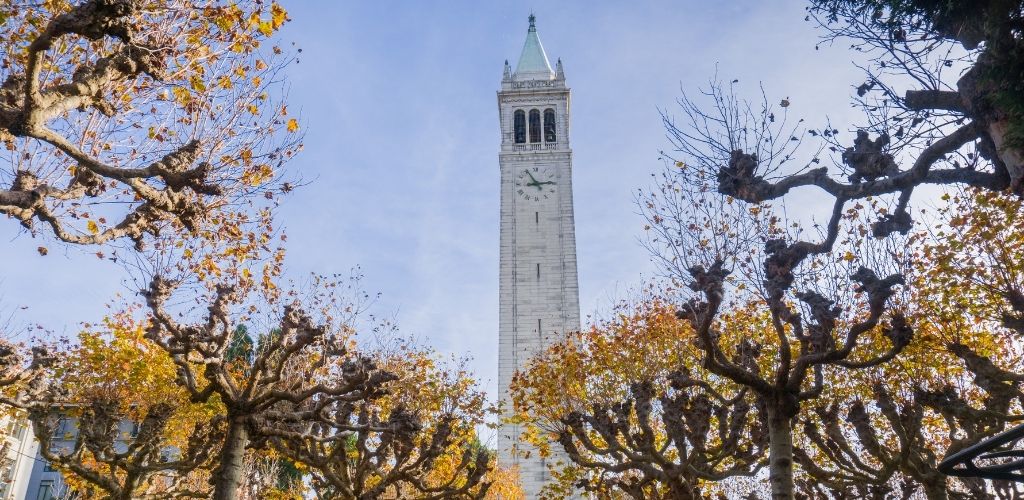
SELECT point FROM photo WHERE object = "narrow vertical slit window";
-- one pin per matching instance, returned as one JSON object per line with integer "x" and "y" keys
{"x": 519, "y": 126}
{"x": 534, "y": 125}
{"x": 549, "y": 125}
{"x": 538, "y": 272}
{"x": 538, "y": 326}
{"x": 536, "y": 217}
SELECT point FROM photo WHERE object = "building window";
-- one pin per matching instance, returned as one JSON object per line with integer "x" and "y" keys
{"x": 62, "y": 429}
{"x": 549, "y": 125}
{"x": 45, "y": 491}
{"x": 538, "y": 272}
{"x": 519, "y": 126}
{"x": 534, "y": 125}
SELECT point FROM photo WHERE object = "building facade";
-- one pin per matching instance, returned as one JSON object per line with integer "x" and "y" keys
{"x": 538, "y": 286}
{"x": 18, "y": 449}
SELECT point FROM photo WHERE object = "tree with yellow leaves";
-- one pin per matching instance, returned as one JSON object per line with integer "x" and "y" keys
{"x": 635, "y": 413}
{"x": 940, "y": 107}
{"x": 114, "y": 421}
{"x": 167, "y": 111}
{"x": 305, "y": 369}
{"x": 418, "y": 441}
{"x": 774, "y": 308}
{"x": 956, "y": 384}
{"x": 155, "y": 122}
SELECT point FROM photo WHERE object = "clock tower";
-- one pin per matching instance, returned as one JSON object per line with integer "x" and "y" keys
{"x": 538, "y": 287}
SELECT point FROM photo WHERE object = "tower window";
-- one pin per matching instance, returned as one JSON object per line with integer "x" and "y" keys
{"x": 534, "y": 125}
{"x": 519, "y": 126}
{"x": 538, "y": 272}
{"x": 549, "y": 125}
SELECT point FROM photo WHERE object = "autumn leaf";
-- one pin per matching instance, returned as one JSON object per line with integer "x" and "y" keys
{"x": 293, "y": 125}
{"x": 266, "y": 28}
{"x": 277, "y": 15}
{"x": 197, "y": 83}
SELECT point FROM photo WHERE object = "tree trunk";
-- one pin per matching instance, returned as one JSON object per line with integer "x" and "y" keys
{"x": 935, "y": 490}
{"x": 682, "y": 490}
{"x": 780, "y": 453}
{"x": 131, "y": 484}
{"x": 977, "y": 92}
{"x": 227, "y": 477}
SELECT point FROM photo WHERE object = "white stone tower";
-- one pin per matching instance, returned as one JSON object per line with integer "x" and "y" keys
{"x": 539, "y": 292}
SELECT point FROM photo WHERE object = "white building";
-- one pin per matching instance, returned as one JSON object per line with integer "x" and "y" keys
{"x": 538, "y": 287}
{"x": 47, "y": 483}
{"x": 17, "y": 456}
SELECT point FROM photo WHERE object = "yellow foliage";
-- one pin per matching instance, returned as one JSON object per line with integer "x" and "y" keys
{"x": 433, "y": 391}
{"x": 117, "y": 363}
{"x": 963, "y": 267}
{"x": 201, "y": 80}
{"x": 120, "y": 364}
{"x": 504, "y": 484}
{"x": 642, "y": 341}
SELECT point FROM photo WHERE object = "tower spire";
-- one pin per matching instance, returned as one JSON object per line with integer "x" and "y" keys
{"x": 533, "y": 61}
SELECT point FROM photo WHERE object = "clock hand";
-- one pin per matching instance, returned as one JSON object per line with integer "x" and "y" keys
{"x": 532, "y": 178}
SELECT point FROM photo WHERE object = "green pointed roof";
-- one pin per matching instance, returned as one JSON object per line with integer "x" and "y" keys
{"x": 533, "y": 62}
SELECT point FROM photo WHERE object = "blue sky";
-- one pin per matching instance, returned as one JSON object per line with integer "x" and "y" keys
{"x": 398, "y": 103}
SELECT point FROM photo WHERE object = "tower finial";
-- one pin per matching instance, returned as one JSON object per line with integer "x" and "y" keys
{"x": 533, "y": 22}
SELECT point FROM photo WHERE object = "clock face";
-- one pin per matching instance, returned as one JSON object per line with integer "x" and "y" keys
{"x": 535, "y": 183}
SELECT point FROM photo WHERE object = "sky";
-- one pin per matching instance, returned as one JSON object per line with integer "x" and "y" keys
{"x": 397, "y": 101}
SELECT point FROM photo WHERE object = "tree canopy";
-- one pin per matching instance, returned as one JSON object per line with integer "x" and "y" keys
{"x": 165, "y": 125}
